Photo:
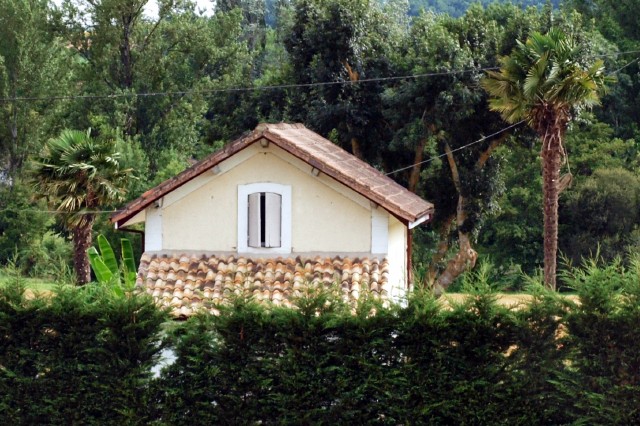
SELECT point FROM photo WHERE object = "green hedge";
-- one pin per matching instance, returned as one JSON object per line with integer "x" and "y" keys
{"x": 82, "y": 357}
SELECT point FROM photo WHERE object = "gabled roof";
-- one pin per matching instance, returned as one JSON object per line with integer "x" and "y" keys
{"x": 318, "y": 152}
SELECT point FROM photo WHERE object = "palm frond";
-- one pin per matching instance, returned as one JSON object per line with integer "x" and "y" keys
{"x": 76, "y": 173}
{"x": 543, "y": 71}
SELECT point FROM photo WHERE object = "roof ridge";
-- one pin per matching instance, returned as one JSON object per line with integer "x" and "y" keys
{"x": 317, "y": 151}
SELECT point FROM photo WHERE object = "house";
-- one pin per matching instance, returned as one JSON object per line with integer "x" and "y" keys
{"x": 273, "y": 212}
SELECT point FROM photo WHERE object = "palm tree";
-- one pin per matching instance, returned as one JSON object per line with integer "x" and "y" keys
{"x": 541, "y": 83}
{"x": 78, "y": 175}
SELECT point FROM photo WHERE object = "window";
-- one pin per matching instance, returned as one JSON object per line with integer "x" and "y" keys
{"x": 264, "y": 218}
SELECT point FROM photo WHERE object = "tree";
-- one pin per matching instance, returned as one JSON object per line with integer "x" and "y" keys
{"x": 445, "y": 116}
{"x": 345, "y": 42}
{"x": 33, "y": 64}
{"x": 541, "y": 83}
{"x": 78, "y": 175}
{"x": 179, "y": 58}
{"x": 601, "y": 215}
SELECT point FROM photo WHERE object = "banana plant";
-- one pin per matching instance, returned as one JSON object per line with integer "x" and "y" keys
{"x": 106, "y": 269}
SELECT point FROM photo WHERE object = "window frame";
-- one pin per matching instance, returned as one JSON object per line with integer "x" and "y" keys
{"x": 243, "y": 217}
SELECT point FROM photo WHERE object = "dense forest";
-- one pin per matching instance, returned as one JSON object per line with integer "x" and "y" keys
{"x": 395, "y": 82}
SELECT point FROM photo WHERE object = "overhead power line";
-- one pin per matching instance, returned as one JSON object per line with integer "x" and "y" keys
{"x": 212, "y": 92}
{"x": 482, "y": 139}
{"x": 31, "y": 210}
{"x": 245, "y": 89}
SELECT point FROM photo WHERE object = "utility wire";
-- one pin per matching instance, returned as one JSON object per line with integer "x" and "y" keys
{"x": 246, "y": 89}
{"x": 503, "y": 130}
{"x": 211, "y": 92}
{"x": 482, "y": 139}
{"x": 57, "y": 211}
{"x": 624, "y": 66}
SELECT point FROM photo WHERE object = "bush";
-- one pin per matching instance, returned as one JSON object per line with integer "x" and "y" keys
{"x": 21, "y": 225}
{"x": 86, "y": 356}
{"x": 82, "y": 356}
{"x": 604, "y": 338}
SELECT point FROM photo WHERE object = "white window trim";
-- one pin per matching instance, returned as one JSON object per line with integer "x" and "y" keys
{"x": 243, "y": 217}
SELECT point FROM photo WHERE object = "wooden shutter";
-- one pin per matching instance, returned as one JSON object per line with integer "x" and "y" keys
{"x": 254, "y": 217}
{"x": 272, "y": 219}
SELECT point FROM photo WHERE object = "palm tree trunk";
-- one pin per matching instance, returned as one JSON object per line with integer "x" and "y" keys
{"x": 551, "y": 163}
{"x": 82, "y": 240}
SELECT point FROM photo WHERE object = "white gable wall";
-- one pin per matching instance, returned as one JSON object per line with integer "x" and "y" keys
{"x": 202, "y": 215}
{"x": 326, "y": 216}
{"x": 153, "y": 229}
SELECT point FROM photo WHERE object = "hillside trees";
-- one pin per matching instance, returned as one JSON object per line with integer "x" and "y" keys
{"x": 342, "y": 43}
{"x": 148, "y": 76}
{"x": 444, "y": 117}
{"x": 619, "y": 25}
{"x": 33, "y": 64}
{"x": 174, "y": 86}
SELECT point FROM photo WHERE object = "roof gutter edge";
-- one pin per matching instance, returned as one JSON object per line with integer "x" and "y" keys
{"x": 419, "y": 221}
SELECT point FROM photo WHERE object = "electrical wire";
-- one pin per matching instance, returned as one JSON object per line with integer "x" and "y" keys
{"x": 212, "y": 92}
{"x": 503, "y": 130}
{"x": 29, "y": 210}
{"x": 482, "y": 139}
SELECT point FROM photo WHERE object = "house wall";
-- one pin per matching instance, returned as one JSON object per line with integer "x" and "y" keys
{"x": 202, "y": 215}
{"x": 397, "y": 257}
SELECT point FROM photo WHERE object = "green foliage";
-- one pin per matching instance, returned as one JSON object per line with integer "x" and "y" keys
{"x": 86, "y": 356}
{"x": 511, "y": 237}
{"x": 21, "y": 226}
{"x": 78, "y": 175}
{"x": 49, "y": 258}
{"x": 121, "y": 277}
{"x": 81, "y": 356}
{"x": 33, "y": 63}
{"x": 76, "y": 172}
{"x": 601, "y": 214}
{"x": 459, "y": 7}
{"x": 603, "y": 335}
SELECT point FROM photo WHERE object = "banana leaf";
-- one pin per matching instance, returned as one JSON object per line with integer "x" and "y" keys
{"x": 100, "y": 269}
{"x": 108, "y": 256}
{"x": 129, "y": 269}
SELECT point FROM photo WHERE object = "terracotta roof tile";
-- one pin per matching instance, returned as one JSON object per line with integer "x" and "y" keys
{"x": 187, "y": 283}
{"x": 312, "y": 148}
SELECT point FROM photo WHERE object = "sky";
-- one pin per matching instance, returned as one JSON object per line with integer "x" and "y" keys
{"x": 205, "y": 5}
{"x": 151, "y": 10}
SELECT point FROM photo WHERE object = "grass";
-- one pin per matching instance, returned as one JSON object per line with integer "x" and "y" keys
{"x": 33, "y": 284}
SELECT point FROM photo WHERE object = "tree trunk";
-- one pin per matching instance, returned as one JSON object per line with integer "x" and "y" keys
{"x": 551, "y": 163}
{"x": 441, "y": 251}
{"x": 355, "y": 148}
{"x": 463, "y": 260}
{"x": 414, "y": 177}
{"x": 551, "y": 124}
{"x": 466, "y": 257}
{"x": 82, "y": 240}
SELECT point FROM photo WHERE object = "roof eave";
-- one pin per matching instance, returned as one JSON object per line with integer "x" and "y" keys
{"x": 420, "y": 220}
{"x": 134, "y": 207}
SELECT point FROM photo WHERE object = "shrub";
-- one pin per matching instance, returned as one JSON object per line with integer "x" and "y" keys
{"x": 604, "y": 339}
{"x": 82, "y": 356}
{"x": 86, "y": 356}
